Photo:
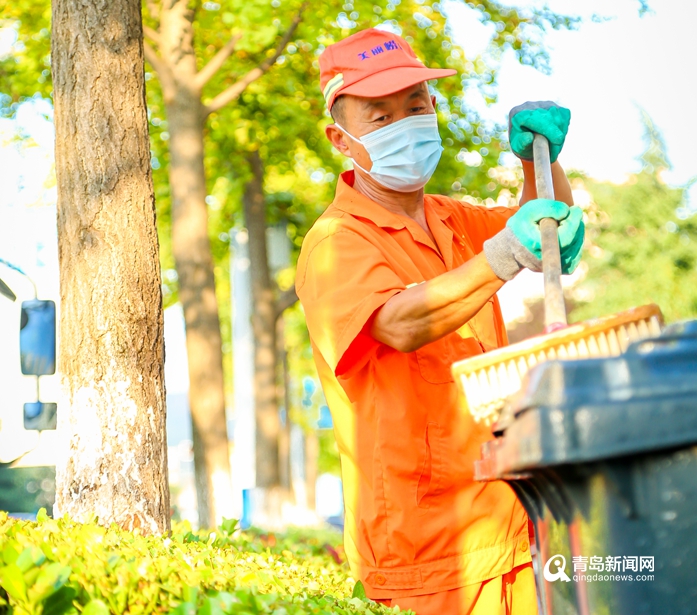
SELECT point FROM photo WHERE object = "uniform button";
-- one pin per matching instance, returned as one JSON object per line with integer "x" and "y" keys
{"x": 380, "y": 579}
{"x": 524, "y": 546}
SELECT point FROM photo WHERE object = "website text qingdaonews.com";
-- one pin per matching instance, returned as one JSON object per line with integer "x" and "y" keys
{"x": 590, "y": 578}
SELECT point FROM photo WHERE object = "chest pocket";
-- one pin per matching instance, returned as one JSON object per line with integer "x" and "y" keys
{"x": 436, "y": 358}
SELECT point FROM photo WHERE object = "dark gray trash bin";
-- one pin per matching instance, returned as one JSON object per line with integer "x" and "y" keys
{"x": 603, "y": 454}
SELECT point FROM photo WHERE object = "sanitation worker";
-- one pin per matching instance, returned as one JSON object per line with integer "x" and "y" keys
{"x": 396, "y": 285}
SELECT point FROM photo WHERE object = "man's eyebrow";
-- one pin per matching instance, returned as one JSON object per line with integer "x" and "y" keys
{"x": 370, "y": 103}
{"x": 420, "y": 92}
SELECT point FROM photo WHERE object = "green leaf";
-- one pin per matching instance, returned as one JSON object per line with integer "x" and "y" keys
{"x": 31, "y": 575}
{"x": 112, "y": 562}
{"x": 211, "y": 607}
{"x": 12, "y": 581}
{"x": 229, "y": 525}
{"x": 60, "y": 603}
{"x": 357, "y": 603}
{"x": 41, "y": 516}
{"x": 33, "y": 556}
{"x": 185, "y": 608}
{"x": 359, "y": 591}
{"x": 10, "y": 553}
{"x": 51, "y": 579}
{"x": 226, "y": 600}
{"x": 95, "y": 607}
{"x": 190, "y": 594}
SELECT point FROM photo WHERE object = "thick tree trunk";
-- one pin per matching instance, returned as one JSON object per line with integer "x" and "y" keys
{"x": 112, "y": 412}
{"x": 268, "y": 424}
{"x": 194, "y": 263}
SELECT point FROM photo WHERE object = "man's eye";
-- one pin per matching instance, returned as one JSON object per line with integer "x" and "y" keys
{"x": 382, "y": 118}
{"x": 417, "y": 109}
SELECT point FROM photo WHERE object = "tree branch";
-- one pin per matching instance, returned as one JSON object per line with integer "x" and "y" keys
{"x": 216, "y": 62}
{"x": 285, "y": 300}
{"x": 162, "y": 69}
{"x": 241, "y": 84}
{"x": 153, "y": 35}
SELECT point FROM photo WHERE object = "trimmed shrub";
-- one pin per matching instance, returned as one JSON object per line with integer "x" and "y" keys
{"x": 58, "y": 566}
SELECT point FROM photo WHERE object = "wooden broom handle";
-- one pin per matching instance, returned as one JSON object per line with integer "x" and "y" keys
{"x": 555, "y": 308}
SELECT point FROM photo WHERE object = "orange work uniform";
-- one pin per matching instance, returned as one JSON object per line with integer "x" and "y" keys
{"x": 416, "y": 522}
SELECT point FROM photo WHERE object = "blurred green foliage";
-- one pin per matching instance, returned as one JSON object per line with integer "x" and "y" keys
{"x": 27, "y": 490}
{"x": 641, "y": 242}
{"x": 57, "y": 567}
{"x": 283, "y": 114}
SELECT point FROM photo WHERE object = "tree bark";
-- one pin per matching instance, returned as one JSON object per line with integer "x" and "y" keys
{"x": 194, "y": 264}
{"x": 112, "y": 412}
{"x": 311, "y": 466}
{"x": 268, "y": 425}
{"x": 284, "y": 394}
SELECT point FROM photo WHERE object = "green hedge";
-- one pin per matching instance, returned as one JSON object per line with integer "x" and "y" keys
{"x": 58, "y": 566}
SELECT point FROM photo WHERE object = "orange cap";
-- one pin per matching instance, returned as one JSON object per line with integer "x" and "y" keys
{"x": 372, "y": 63}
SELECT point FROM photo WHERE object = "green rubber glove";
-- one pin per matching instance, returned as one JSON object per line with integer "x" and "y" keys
{"x": 519, "y": 245}
{"x": 542, "y": 117}
{"x": 525, "y": 226}
{"x": 571, "y": 244}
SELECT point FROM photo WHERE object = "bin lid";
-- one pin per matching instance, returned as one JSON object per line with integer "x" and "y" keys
{"x": 592, "y": 409}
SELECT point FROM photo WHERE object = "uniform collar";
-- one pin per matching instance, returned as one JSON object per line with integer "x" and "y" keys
{"x": 349, "y": 200}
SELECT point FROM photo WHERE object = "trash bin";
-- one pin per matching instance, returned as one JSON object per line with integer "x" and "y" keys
{"x": 603, "y": 455}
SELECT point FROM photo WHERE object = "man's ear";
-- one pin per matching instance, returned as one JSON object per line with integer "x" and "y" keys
{"x": 338, "y": 139}
{"x": 433, "y": 100}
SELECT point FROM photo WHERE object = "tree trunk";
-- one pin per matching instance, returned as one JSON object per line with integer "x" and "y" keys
{"x": 268, "y": 424}
{"x": 284, "y": 394}
{"x": 194, "y": 263}
{"x": 112, "y": 412}
{"x": 311, "y": 466}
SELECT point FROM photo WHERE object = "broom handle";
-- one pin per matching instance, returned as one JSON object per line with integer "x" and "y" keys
{"x": 555, "y": 308}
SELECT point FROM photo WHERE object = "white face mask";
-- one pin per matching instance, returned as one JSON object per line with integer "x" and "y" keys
{"x": 404, "y": 154}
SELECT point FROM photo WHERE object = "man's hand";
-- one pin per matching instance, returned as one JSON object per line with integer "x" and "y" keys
{"x": 542, "y": 117}
{"x": 519, "y": 245}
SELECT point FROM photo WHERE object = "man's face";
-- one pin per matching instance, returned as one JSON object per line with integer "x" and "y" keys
{"x": 364, "y": 115}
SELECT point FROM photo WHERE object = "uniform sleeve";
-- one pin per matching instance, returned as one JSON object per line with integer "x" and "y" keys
{"x": 341, "y": 283}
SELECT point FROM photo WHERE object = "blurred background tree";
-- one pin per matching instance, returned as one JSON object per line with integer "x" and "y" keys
{"x": 641, "y": 242}
{"x": 27, "y": 489}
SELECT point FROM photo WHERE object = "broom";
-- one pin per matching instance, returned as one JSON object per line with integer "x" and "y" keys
{"x": 486, "y": 381}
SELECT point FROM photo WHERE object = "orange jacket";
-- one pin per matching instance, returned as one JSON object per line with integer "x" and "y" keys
{"x": 416, "y": 522}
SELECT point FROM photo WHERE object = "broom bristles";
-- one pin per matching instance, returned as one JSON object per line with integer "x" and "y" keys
{"x": 486, "y": 381}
